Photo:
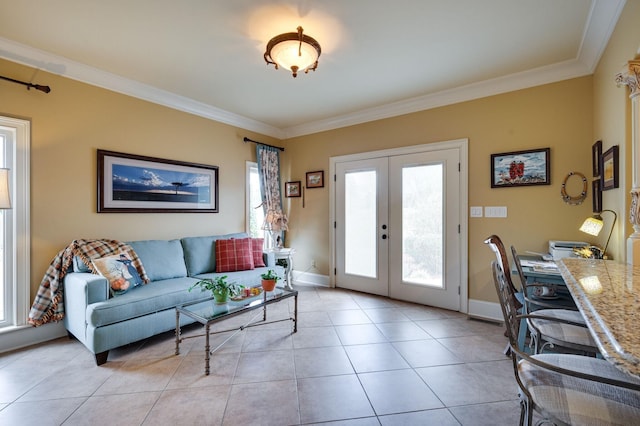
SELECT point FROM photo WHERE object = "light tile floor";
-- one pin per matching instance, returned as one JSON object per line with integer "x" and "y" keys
{"x": 356, "y": 360}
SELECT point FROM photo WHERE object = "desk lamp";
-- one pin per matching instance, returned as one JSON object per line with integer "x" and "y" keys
{"x": 593, "y": 225}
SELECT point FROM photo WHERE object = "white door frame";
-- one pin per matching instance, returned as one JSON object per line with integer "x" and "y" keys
{"x": 463, "y": 146}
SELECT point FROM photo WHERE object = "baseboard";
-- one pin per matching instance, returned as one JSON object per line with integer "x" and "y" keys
{"x": 20, "y": 337}
{"x": 490, "y": 311}
{"x": 302, "y": 277}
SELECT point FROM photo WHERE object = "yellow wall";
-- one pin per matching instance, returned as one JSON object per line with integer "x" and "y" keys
{"x": 557, "y": 115}
{"x": 612, "y": 117}
{"x": 73, "y": 121}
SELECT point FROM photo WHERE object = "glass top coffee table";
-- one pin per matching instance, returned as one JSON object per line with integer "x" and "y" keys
{"x": 208, "y": 312}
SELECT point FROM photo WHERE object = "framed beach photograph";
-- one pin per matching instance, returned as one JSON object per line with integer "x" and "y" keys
{"x": 521, "y": 168}
{"x": 292, "y": 189}
{"x": 596, "y": 157}
{"x": 315, "y": 179}
{"x": 610, "y": 169}
{"x": 130, "y": 183}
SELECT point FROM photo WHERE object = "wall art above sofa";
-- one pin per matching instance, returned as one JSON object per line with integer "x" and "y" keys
{"x": 134, "y": 183}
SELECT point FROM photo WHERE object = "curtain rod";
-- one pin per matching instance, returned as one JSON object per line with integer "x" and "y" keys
{"x": 45, "y": 89}
{"x": 246, "y": 139}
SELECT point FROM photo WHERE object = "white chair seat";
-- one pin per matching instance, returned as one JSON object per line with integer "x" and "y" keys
{"x": 578, "y": 401}
{"x": 567, "y": 335}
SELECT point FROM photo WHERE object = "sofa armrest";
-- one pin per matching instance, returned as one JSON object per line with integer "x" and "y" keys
{"x": 85, "y": 288}
{"x": 80, "y": 290}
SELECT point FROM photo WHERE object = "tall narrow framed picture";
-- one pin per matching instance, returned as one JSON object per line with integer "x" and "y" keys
{"x": 596, "y": 192}
{"x": 596, "y": 158}
{"x": 521, "y": 168}
{"x": 130, "y": 183}
{"x": 610, "y": 169}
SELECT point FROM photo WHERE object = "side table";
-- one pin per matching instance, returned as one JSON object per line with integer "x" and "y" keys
{"x": 286, "y": 256}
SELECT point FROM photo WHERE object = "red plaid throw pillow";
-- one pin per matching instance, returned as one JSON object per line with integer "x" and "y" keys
{"x": 234, "y": 254}
{"x": 256, "y": 246}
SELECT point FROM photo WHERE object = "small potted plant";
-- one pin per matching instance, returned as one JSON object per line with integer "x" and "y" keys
{"x": 269, "y": 280}
{"x": 219, "y": 287}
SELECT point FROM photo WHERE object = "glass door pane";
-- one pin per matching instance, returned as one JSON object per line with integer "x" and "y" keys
{"x": 360, "y": 223}
{"x": 422, "y": 225}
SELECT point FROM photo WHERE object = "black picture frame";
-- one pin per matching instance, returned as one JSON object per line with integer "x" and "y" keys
{"x": 521, "y": 168}
{"x": 292, "y": 189}
{"x": 596, "y": 158}
{"x": 610, "y": 169}
{"x": 315, "y": 179}
{"x": 129, "y": 183}
{"x": 596, "y": 193}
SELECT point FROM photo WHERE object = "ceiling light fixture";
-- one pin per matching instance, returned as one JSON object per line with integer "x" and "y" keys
{"x": 293, "y": 51}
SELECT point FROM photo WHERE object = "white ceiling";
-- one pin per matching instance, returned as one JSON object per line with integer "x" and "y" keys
{"x": 380, "y": 58}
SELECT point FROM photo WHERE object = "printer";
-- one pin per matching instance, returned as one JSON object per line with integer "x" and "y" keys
{"x": 560, "y": 249}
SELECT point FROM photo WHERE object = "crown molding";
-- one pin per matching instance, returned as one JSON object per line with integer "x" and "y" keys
{"x": 54, "y": 64}
{"x": 491, "y": 87}
{"x": 601, "y": 22}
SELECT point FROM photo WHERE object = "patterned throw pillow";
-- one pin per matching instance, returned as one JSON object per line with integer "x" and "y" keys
{"x": 256, "y": 246}
{"x": 234, "y": 254}
{"x": 119, "y": 271}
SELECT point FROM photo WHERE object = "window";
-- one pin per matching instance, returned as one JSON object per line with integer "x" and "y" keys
{"x": 255, "y": 213}
{"x": 14, "y": 224}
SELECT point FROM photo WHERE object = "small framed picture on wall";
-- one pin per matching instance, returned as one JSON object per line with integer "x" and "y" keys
{"x": 292, "y": 189}
{"x": 315, "y": 179}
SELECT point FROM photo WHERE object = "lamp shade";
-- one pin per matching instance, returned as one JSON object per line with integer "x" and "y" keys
{"x": 5, "y": 199}
{"x": 592, "y": 226}
{"x": 293, "y": 51}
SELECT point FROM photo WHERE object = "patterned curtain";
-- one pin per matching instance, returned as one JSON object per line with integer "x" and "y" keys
{"x": 275, "y": 221}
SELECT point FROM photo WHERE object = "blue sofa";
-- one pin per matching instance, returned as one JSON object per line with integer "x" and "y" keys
{"x": 102, "y": 322}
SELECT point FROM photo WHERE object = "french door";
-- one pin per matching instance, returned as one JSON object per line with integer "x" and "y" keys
{"x": 397, "y": 226}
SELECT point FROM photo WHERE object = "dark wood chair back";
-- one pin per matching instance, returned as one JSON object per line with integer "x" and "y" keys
{"x": 495, "y": 243}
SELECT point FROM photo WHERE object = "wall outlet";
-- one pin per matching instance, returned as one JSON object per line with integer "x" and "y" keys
{"x": 313, "y": 263}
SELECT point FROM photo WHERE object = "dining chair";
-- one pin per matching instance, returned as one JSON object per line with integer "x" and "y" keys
{"x": 565, "y": 389}
{"x": 495, "y": 243}
{"x": 553, "y": 325}
{"x": 557, "y": 329}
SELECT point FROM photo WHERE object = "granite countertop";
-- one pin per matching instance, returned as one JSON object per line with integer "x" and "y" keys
{"x": 608, "y": 295}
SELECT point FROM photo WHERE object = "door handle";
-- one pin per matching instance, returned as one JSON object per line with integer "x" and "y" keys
{"x": 384, "y": 236}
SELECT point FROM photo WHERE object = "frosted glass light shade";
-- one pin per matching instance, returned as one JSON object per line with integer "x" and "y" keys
{"x": 592, "y": 226}
{"x": 289, "y": 54}
{"x": 5, "y": 199}
{"x": 293, "y": 51}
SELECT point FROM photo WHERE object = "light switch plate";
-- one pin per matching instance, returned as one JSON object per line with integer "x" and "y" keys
{"x": 476, "y": 211}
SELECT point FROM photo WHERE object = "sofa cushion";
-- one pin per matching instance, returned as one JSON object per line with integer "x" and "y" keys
{"x": 234, "y": 254}
{"x": 143, "y": 300}
{"x": 200, "y": 252}
{"x": 79, "y": 265}
{"x": 162, "y": 259}
{"x": 257, "y": 245}
{"x": 119, "y": 271}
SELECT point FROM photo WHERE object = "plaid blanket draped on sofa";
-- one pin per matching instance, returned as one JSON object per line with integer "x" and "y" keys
{"x": 48, "y": 304}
